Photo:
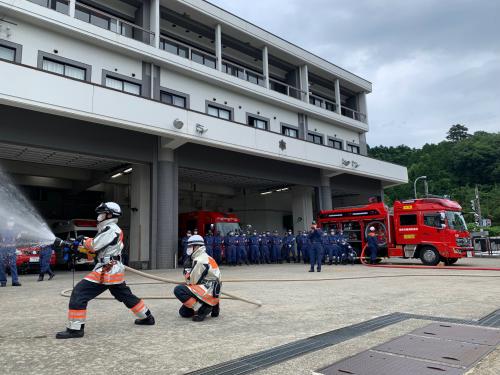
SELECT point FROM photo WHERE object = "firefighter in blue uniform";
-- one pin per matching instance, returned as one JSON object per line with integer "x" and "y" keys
{"x": 315, "y": 237}
{"x": 264, "y": 248}
{"x": 334, "y": 240}
{"x": 306, "y": 245}
{"x": 184, "y": 241}
{"x": 299, "y": 240}
{"x": 242, "y": 249}
{"x": 217, "y": 250}
{"x": 289, "y": 246}
{"x": 372, "y": 244}
{"x": 45, "y": 255}
{"x": 276, "y": 247}
{"x": 325, "y": 241}
{"x": 8, "y": 257}
{"x": 230, "y": 246}
{"x": 254, "y": 242}
{"x": 209, "y": 244}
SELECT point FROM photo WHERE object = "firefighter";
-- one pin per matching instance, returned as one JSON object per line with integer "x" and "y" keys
{"x": 184, "y": 245}
{"x": 289, "y": 246}
{"x": 200, "y": 295}
{"x": 299, "y": 240}
{"x": 276, "y": 242}
{"x": 241, "y": 255}
{"x": 315, "y": 237}
{"x": 264, "y": 248}
{"x": 336, "y": 252}
{"x": 8, "y": 256}
{"x": 306, "y": 245}
{"x": 254, "y": 242}
{"x": 209, "y": 243}
{"x": 45, "y": 255}
{"x": 372, "y": 244}
{"x": 325, "y": 241}
{"x": 108, "y": 274}
{"x": 217, "y": 251}
{"x": 230, "y": 246}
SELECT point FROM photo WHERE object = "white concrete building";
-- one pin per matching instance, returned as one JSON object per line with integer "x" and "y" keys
{"x": 210, "y": 112}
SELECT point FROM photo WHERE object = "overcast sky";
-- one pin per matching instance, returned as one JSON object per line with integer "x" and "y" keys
{"x": 432, "y": 63}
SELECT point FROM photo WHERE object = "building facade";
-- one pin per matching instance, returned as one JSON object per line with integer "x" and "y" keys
{"x": 174, "y": 106}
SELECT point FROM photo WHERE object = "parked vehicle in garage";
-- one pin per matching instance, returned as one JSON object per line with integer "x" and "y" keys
{"x": 71, "y": 229}
{"x": 204, "y": 221}
{"x": 432, "y": 229}
{"x": 28, "y": 258}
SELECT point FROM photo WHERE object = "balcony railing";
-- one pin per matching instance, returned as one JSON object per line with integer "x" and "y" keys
{"x": 323, "y": 103}
{"x": 243, "y": 73}
{"x": 61, "y": 6}
{"x": 109, "y": 22}
{"x": 356, "y": 115}
{"x": 187, "y": 51}
{"x": 286, "y": 89}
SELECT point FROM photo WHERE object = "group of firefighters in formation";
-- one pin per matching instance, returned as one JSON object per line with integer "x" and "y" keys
{"x": 314, "y": 247}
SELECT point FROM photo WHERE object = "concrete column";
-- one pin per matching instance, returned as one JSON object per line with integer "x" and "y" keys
{"x": 218, "y": 46}
{"x": 363, "y": 148}
{"x": 140, "y": 216}
{"x": 265, "y": 66}
{"x": 362, "y": 107}
{"x": 72, "y": 7}
{"x": 167, "y": 201}
{"x": 302, "y": 207}
{"x": 155, "y": 21}
{"x": 304, "y": 82}
{"x": 325, "y": 193}
{"x": 337, "y": 96}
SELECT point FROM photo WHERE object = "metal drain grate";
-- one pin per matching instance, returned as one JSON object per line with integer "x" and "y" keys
{"x": 462, "y": 333}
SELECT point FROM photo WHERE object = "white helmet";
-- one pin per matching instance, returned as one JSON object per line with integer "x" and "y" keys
{"x": 372, "y": 229}
{"x": 196, "y": 240}
{"x": 109, "y": 208}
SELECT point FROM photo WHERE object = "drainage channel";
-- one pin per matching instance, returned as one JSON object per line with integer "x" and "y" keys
{"x": 258, "y": 361}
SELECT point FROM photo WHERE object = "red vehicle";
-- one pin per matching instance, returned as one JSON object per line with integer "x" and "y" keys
{"x": 204, "y": 221}
{"x": 28, "y": 258}
{"x": 432, "y": 229}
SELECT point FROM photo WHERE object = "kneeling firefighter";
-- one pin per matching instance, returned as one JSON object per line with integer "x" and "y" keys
{"x": 200, "y": 295}
{"x": 108, "y": 274}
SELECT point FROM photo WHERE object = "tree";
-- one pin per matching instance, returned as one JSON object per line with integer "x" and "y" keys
{"x": 457, "y": 133}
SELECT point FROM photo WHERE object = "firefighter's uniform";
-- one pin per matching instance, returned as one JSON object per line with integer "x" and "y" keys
{"x": 200, "y": 295}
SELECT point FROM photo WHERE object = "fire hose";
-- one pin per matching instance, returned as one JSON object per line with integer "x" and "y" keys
{"x": 363, "y": 262}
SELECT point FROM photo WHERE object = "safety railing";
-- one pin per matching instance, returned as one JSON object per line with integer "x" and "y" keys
{"x": 61, "y": 6}
{"x": 356, "y": 115}
{"x": 286, "y": 89}
{"x": 322, "y": 102}
{"x": 109, "y": 22}
{"x": 243, "y": 73}
{"x": 187, "y": 51}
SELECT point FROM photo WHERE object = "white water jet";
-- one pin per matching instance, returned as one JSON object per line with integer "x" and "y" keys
{"x": 30, "y": 227}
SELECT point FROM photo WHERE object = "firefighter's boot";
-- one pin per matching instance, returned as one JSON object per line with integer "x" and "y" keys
{"x": 70, "y": 333}
{"x": 215, "y": 311}
{"x": 149, "y": 320}
{"x": 40, "y": 277}
{"x": 202, "y": 313}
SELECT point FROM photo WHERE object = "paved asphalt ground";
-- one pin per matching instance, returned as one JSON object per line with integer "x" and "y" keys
{"x": 32, "y": 314}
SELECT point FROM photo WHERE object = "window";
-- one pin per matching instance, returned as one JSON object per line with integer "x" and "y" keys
{"x": 58, "y": 5}
{"x": 405, "y": 220}
{"x": 257, "y": 122}
{"x": 432, "y": 219}
{"x": 315, "y": 138}
{"x": 352, "y": 148}
{"x": 174, "y": 48}
{"x": 223, "y": 113}
{"x": 7, "y": 53}
{"x": 174, "y": 99}
{"x": 203, "y": 59}
{"x": 335, "y": 143}
{"x": 63, "y": 69}
{"x": 290, "y": 132}
{"x": 122, "y": 85}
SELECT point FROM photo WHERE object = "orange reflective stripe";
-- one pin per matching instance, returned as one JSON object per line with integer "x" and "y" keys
{"x": 138, "y": 307}
{"x": 198, "y": 289}
{"x": 213, "y": 263}
{"x": 190, "y": 302}
{"x": 77, "y": 314}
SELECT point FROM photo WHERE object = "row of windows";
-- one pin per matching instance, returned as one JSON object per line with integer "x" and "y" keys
{"x": 71, "y": 70}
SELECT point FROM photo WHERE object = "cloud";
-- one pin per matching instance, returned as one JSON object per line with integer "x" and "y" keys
{"x": 432, "y": 63}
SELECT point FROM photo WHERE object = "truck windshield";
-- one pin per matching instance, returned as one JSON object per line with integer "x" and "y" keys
{"x": 225, "y": 228}
{"x": 456, "y": 221}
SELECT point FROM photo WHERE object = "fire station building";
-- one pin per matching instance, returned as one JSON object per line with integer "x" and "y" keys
{"x": 171, "y": 106}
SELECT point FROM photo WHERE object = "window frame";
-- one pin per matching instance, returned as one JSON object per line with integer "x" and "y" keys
{"x": 219, "y": 106}
{"x": 257, "y": 117}
{"x": 407, "y": 215}
{"x": 64, "y": 61}
{"x": 315, "y": 134}
{"x": 164, "y": 90}
{"x": 335, "y": 139}
{"x": 18, "y": 50}
{"x": 284, "y": 125}
{"x": 123, "y": 78}
{"x": 350, "y": 144}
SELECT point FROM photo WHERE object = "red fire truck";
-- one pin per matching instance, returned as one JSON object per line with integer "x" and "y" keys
{"x": 204, "y": 221}
{"x": 432, "y": 229}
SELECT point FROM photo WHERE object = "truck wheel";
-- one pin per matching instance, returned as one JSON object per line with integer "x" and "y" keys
{"x": 429, "y": 256}
{"x": 450, "y": 261}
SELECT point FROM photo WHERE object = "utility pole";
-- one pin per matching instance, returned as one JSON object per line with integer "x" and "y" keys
{"x": 478, "y": 207}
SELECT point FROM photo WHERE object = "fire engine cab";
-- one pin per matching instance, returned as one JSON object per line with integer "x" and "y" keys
{"x": 432, "y": 229}
{"x": 204, "y": 221}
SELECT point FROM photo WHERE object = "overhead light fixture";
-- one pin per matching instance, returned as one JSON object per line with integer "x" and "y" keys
{"x": 128, "y": 170}
{"x": 282, "y": 189}
{"x": 117, "y": 175}
{"x": 266, "y": 192}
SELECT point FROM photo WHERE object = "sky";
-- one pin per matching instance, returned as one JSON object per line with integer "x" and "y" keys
{"x": 432, "y": 63}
